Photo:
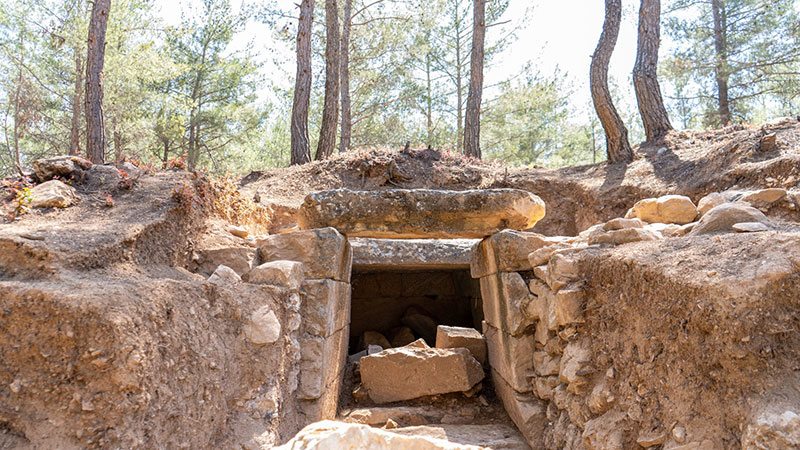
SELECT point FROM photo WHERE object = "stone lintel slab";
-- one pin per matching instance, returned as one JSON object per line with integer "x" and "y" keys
{"x": 421, "y": 213}
{"x": 411, "y": 254}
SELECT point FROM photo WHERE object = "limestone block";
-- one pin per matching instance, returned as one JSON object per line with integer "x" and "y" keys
{"x": 541, "y": 256}
{"x": 340, "y": 435}
{"x": 420, "y": 323}
{"x": 625, "y": 236}
{"x": 709, "y": 202}
{"x": 396, "y": 254}
{"x": 457, "y": 337}
{"x": 605, "y": 432}
{"x": 511, "y": 356}
{"x": 526, "y": 411}
{"x": 677, "y": 209}
{"x": 764, "y": 196}
{"x": 773, "y": 430}
{"x": 224, "y": 275}
{"x": 544, "y": 386}
{"x": 504, "y": 296}
{"x": 401, "y": 336}
{"x": 622, "y": 223}
{"x": 325, "y": 306}
{"x": 421, "y": 213}
{"x": 287, "y": 274}
{"x": 725, "y": 216}
{"x": 60, "y": 166}
{"x": 262, "y": 327}
{"x": 507, "y": 251}
{"x": 370, "y": 338}
{"x": 324, "y": 252}
{"x": 236, "y": 230}
{"x": 546, "y": 364}
{"x": 406, "y": 373}
{"x": 600, "y": 399}
{"x": 321, "y": 364}
{"x": 568, "y": 306}
{"x": 573, "y": 366}
{"x": 53, "y": 194}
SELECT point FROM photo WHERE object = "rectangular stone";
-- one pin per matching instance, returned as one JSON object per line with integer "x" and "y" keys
{"x": 321, "y": 359}
{"x": 325, "y": 306}
{"x": 526, "y": 411}
{"x": 546, "y": 365}
{"x": 505, "y": 297}
{"x": 507, "y": 251}
{"x": 457, "y": 337}
{"x": 568, "y": 306}
{"x": 511, "y": 356}
{"x": 324, "y": 252}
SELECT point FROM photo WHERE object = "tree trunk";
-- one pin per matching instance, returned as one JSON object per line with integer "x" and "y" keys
{"x": 459, "y": 93}
{"x": 429, "y": 99}
{"x": 347, "y": 120}
{"x": 330, "y": 111}
{"x": 721, "y": 60}
{"x": 472, "y": 123}
{"x": 301, "y": 147}
{"x": 95, "y": 127}
{"x": 75, "y": 131}
{"x": 645, "y": 72}
{"x": 617, "y": 146}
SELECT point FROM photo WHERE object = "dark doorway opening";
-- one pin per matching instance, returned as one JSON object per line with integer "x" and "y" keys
{"x": 389, "y": 301}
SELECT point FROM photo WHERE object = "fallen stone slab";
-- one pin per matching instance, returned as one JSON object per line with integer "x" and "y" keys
{"x": 406, "y": 373}
{"x": 421, "y": 213}
{"x": 417, "y": 254}
{"x": 458, "y": 337}
{"x": 677, "y": 209}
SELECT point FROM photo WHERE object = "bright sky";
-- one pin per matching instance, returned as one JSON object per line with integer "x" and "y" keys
{"x": 560, "y": 34}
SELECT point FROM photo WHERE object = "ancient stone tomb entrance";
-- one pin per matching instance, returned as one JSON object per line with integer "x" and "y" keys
{"x": 403, "y": 289}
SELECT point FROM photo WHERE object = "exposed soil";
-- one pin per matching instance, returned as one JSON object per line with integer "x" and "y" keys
{"x": 688, "y": 163}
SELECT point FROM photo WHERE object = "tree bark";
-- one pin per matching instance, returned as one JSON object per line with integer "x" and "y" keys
{"x": 645, "y": 72}
{"x": 459, "y": 93}
{"x": 347, "y": 119}
{"x": 95, "y": 126}
{"x": 617, "y": 146}
{"x": 330, "y": 111}
{"x": 721, "y": 60}
{"x": 75, "y": 131}
{"x": 301, "y": 147}
{"x": 472, "y": 123}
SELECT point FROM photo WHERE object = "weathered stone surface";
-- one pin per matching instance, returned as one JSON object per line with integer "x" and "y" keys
{"x": 324, "y": 252}
{"x": 725, "y": 216}
{"x": 325, "y": 306}
{"x": 321, "y": 367}
{"x": 622, "y": 223}
{"x": 401, "y": 213}
{"x": 605, "y": 432}
{"x": 224, "y": 275}
{"x": 625, "y": 236}
{"x": 60, "y": 166}
{"x": 504, "y": 296}
{"x": 417, "y": 254}
{"x": 773, "y": 430}
{"x": 507, "y": 251}
{"x": 458, "y": 337}
{"x": 542, "y": 256}
{"x": 577, "y": 357}
{"x": 262, "y": 327}
{"x": 330, "y": 435}
{"x": 768, "y": 142}
{"x": 422, "y": 324}
{"x": 525, "y": 410}
{"x": 511, "y": 356}
{"x": 568, "y": 306}
{"x": 677, "y": 209}
{"x": 53, "y": 194}
{"x": 288, "y": 274}
{"x": 750, "y": 227}
{"x": 240, "y": 232}
{"x": 490, "y": 436}
{"x": 546, "y": 364}
{"x": 406, "y": 373}
{"x": 764, "y": 196}
{"x": 709, "y": 202}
